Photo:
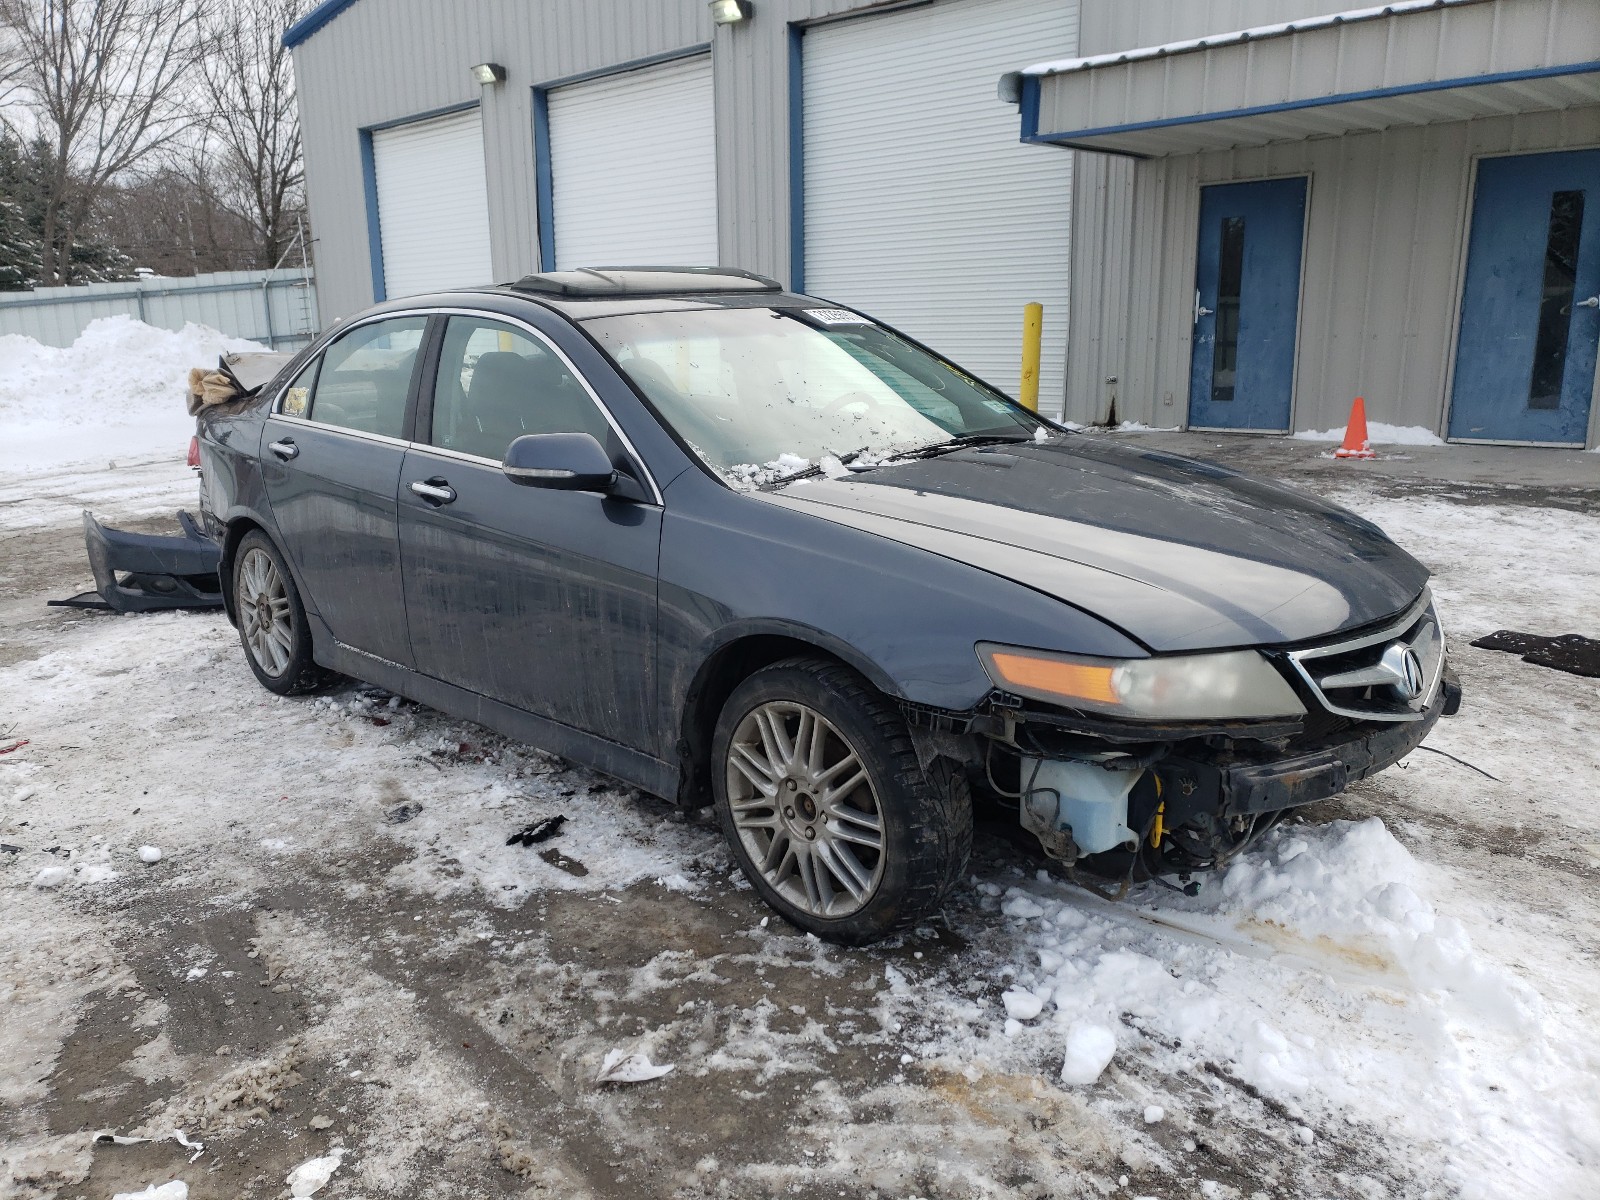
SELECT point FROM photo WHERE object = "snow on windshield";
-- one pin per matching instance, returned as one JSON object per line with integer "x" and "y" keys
{"x": 761, "y": 395}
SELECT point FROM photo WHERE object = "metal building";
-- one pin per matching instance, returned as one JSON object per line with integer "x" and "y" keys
{"x": 1285, "y": 206}
{"x": 855, "y": 149}
{"x": 1260, "y": 209}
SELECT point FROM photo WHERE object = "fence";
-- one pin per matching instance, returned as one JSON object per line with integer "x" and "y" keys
{"x": 276, "y": 308}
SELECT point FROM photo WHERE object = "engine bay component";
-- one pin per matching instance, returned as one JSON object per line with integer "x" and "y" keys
{"x": 1076, "y": 808}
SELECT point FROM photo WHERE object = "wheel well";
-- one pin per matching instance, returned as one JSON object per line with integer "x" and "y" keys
{"x": 725, "y": 670}
{"x": 235, "y": 531}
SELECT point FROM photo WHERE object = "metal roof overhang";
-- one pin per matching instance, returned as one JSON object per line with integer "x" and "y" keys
{"x": 1406, "y": 64}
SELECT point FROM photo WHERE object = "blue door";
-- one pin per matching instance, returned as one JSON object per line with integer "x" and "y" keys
{"x": 1530, "y": 313}
{"x": 1247, "y": 300}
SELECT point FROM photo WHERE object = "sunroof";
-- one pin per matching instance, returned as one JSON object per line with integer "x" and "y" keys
{"x": 645, "y": 281}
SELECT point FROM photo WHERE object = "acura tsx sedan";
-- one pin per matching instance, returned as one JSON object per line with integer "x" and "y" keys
{"x": 738, "y": 546}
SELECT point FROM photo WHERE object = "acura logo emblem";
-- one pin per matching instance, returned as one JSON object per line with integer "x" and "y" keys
{"x": 1401, "y": 663}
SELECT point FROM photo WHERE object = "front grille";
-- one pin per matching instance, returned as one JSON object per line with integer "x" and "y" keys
{"x": 1391, "y": 674}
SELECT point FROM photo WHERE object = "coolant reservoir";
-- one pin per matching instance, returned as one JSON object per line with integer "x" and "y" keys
{"x": 1092, "y": 807}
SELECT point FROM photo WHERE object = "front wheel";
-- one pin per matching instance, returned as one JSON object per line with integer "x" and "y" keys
{"x": 828, "y": 811}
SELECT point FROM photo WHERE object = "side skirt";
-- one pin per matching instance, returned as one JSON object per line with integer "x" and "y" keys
{"x": 630, "y": 766}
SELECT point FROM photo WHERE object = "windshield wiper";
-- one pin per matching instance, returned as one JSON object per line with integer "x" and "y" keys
{"x": 935, "y": 449}
{"x": 810, "y": 472}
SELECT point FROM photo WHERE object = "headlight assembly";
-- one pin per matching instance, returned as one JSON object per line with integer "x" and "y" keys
{"x": 1230, "y": 686}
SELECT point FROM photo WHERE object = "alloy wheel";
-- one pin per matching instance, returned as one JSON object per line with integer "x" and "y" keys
{"x": 264, "y": 615}
{"x": 805, "y": 809}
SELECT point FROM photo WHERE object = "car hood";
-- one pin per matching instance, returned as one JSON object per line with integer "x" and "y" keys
{"x": 1177, "y": 553}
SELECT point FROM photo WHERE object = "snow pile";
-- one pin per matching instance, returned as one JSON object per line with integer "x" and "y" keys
{"x": 1315, "y": 970}
{"x": 115, "y": 393}
{"x": 1378, "y": 433}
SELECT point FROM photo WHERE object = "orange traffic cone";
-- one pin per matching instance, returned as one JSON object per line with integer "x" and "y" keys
{"x": 1356, "y": 444}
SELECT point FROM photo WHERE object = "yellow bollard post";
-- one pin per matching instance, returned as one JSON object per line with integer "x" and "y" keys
{"x": 1032, "y": 336}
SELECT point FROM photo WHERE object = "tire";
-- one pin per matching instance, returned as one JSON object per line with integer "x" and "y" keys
{"x": 851, "y": 853}
{"x": 271, "y": 619}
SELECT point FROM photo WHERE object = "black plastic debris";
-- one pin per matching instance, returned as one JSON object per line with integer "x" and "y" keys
{"x": 141, "y": 572}
{"x": 401, "y": 813}
{"x": 539, "y": 831}
{"x": 8, "y": 848}
{"x": 1570, "y": 652}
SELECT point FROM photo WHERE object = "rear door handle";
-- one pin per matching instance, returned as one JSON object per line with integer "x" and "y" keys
{"x": 284, "y": 449}
{"x": 434, "y": 491}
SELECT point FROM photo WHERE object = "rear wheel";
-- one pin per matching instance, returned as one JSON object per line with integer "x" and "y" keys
{"x": 272, "y": 621}
{"x": 827, "y": 809}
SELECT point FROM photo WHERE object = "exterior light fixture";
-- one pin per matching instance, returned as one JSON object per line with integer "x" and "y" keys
{"x": 730, "y": 12}
{"x": 489, "y": 73}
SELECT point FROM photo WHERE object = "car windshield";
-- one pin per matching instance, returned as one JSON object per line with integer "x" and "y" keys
{"x": 763, "y": 393}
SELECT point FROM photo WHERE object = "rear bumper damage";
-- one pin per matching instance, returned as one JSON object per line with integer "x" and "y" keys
{"x": 141, "y": 572}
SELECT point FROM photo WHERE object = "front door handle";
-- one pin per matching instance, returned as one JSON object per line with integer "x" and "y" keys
{"x": 284, "y": 449}
{"x": 1591, "y": 302}
{"x": 1200, "y": 310}
{"x": 434, "y": 491}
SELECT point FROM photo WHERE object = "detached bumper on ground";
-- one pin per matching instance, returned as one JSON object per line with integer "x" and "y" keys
{"x": 141, "y": 572}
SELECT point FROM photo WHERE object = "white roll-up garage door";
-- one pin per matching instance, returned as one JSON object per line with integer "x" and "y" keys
{"x": 433, "y": 204}
{"x": 633, "y": 164}
{"x": 921, "y": 205}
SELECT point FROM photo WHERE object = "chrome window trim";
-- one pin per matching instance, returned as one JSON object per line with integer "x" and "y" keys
{"x": 486, "y": 314}
{"x": 1393, "y": 631}
{"x": 276, "y": 407}
{"x": 361, "y": 434}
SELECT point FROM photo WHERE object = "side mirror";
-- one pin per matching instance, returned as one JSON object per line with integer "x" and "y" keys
{"x": 569, "y": 462}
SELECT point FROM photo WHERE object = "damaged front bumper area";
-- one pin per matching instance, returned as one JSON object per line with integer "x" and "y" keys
{"x": 141, "y": 572}
{"x": 1189, "y": 803}
{"x": 1139, "y": 799}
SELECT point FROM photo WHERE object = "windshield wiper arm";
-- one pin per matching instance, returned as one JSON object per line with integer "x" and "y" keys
{"x": 810, "y": 472}
{"x": 935, "y": 449}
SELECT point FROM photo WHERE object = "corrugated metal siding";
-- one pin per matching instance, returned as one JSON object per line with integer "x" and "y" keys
{"x": 634, "y": 165}
{"x": 1354, "y": 58}
{"x": 1386, "y": 228}
{"x": 920, "y": 205}
{"x": 385, "y": 60}
{"x": 272, "y": 307}
{"x": 1109, "y": 25}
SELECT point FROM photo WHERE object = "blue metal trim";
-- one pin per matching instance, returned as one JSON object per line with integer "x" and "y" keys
{"x": 369, "y": 187}
{"x": 427, "y": 115}
{"x": 313, "y": 21}
{"x": 544, "y": 188}
{"x": 1029, "y": 107}
{"x": 1261, "y": 110}
{"x": 797, "y": 162}
{"x": 633, "y": 64}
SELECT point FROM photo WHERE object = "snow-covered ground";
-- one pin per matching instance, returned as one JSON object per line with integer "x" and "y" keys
{"x": 337, "y": 955}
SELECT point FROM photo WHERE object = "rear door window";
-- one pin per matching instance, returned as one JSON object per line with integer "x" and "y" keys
{"x": 365, "y": 378}
{"x": 497, "y": 382}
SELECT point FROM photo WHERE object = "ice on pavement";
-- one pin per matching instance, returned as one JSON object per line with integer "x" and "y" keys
{"x": 1090, "y": 1048}
{"x": 174, "y": 1190}
{"x": 312, "y": 1176}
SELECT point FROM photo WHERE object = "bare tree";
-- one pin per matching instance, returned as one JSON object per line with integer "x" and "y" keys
{"x": 102, "y": 82}
{"x": 254, "y": 122}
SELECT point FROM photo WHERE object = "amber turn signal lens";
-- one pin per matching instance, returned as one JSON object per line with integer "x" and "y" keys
{"x": 1066, "y": 679}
